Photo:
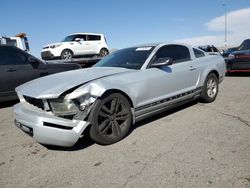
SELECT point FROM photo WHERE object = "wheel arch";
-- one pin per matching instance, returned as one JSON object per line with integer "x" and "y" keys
{"x": 215, "y": 72}
{"x": 109, "y": 91}
{"x": 69, "y": 50}
{"x": 104, "y": 48}
{"x": 206, "y": 73}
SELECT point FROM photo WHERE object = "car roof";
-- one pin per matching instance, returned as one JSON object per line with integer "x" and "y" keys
{"x": 162, "y": 44}
{"x": 86, "y": 34}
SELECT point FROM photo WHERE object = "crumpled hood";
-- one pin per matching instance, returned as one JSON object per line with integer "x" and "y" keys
{"x": 53, "y": 86}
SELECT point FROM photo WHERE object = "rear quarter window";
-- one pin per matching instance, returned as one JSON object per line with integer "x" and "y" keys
{"x": 94, "y": 37}
{"x": 198, "y": 53}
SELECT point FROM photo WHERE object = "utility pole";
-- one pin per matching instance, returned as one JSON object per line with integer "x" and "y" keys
{"x": 225, "y": 6}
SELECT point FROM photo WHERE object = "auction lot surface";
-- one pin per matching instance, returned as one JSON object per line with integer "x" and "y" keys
{"x": 198, "y": 145}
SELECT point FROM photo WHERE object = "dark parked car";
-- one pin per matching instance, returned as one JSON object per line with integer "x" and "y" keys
{"x": 226, "y": 53}
{"x": 239, "y": 61}
{"x": 18, "y": 67}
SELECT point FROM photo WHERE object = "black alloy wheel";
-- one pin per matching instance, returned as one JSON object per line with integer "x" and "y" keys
{"x": 111, "y": 119}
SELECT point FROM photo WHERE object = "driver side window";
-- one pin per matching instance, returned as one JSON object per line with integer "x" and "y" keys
{"x": 12, "y": 56}
{"x": 177, "y": 53}
{"x": 83, "y": 37}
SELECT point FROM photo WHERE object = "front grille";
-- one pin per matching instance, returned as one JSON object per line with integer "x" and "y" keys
{"x": 46, "y": 55}
{"x": 35, "y": 102}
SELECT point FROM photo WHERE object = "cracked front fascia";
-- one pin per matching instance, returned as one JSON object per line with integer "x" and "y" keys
{"x": 92, "y": 89}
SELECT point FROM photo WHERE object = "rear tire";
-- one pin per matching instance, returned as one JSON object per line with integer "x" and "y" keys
{"x": 110, "y": 119}
{"x": 210, "y": 88}
{"x": 103, "y": 52}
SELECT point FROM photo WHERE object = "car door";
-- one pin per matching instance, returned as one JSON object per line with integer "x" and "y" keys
{"x": 15, "y": 69}
{"x": 170, "y": 81}
{"x": 81, "y": 47}
{"x": 93, "y": 41}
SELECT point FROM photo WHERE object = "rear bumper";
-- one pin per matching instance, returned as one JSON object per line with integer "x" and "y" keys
{"x": 47, "y": 128}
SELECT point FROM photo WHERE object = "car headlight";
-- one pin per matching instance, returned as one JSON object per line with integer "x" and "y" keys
{"x": 63, "y": 107}
{"x": 55, "y": 45}
{"x": 230, "y": 56}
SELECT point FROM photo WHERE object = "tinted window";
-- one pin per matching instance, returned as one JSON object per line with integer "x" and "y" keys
{"x": 94, "y": 37}
{"x": 11, "y": 56}
{"x": 10, "y": 42}
{"x": 245, "y": 45}
{"x": 71, "y": 38}
{"x": 177, "y": 53}
{"x": 198, "y": 53}
{"x": 130, "y": 58}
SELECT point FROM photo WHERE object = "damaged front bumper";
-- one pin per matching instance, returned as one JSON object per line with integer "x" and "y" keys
{"x": 47, "y": 128}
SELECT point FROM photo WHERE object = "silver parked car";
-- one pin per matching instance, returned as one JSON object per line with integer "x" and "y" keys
{"x": 126, "y": 86}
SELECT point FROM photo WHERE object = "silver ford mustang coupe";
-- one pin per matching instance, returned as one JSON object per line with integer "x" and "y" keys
{"x": 126, "y": 86}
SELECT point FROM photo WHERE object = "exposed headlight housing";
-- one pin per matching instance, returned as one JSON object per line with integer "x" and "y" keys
{"x": 63, "y": 107}
{"x": 85, "y": 104}
{"x": 55, "y": 45}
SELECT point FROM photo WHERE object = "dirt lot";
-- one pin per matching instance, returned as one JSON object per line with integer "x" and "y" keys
{"x": 197, "y": 145}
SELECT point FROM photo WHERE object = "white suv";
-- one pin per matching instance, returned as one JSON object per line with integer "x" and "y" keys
{"x": 77, "y": 44}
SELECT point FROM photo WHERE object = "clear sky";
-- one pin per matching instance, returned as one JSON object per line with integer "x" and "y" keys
{"x": 125, "y": 23}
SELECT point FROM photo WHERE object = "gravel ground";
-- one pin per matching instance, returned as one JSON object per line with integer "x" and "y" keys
{"x": 196, "y": 145}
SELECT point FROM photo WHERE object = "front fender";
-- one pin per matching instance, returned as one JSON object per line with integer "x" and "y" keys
{"x": 95, "y": 90}
{"x": 98, "y": 88}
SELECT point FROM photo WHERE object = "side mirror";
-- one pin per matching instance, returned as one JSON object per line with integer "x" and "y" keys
{"x": 162, "y": 62}
{"x": 78, "y": 39}
{"x": 33, "y": 61}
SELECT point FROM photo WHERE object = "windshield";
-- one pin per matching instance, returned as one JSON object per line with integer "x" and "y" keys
{"x": 130, "y": 58}
{"x": 245, "y": 45}
{"x": 69, "y": 38}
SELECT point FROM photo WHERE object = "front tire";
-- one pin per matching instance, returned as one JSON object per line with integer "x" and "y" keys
{"x": 66, "y": 54}
{"x": 110, "y": 119}
{"x": 210, "y": 88}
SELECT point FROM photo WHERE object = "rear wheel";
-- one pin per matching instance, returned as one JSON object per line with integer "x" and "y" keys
{"x": 110, "y": 119}
{"x": 210, "y": 88}
{"x": 103, "y": 52}
{"x": 66, "y": 54}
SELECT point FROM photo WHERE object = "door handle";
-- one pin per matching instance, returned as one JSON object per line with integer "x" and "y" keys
{"x": 191, "y": 68}
{"x": 9, "y": 70}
